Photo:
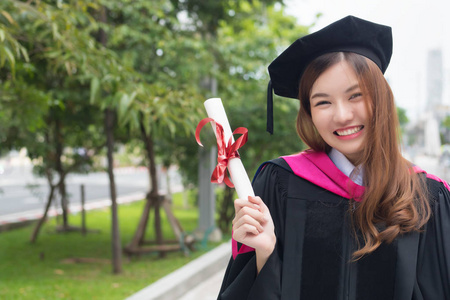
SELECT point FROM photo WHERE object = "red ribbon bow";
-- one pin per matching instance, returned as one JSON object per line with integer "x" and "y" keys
{"x": 225, "y": 152}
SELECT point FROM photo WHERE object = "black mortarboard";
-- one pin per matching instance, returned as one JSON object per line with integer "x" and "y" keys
{"x": 349, "y": 34}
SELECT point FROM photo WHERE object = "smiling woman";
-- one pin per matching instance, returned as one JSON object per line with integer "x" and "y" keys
{"x": 349, "y": 218}
{"x": 348, "y": 103}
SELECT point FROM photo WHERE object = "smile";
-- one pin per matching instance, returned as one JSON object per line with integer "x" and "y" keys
{"x": 348, "y": 131}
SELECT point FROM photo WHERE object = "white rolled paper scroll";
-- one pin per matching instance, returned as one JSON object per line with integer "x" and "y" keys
{"x": 239, "y": 177}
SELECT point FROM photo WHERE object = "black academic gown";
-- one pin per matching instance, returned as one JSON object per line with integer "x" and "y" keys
{"x": 312, "y": 257}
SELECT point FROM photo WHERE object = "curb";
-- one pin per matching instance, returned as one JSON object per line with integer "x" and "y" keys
{"x": 179, "y": 282}
{"x": 20, "y": 219}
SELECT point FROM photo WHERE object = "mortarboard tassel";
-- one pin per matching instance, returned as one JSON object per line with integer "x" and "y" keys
{"x": 269, "y": 126}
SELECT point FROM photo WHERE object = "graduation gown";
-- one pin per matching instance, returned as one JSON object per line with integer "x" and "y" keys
{"x": 309, "y": 203}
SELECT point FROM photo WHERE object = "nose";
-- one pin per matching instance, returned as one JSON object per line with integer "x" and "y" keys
{"x": 343, "y": 113}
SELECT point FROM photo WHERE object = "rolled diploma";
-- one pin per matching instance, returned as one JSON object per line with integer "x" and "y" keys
{"x": 216, "y": 111}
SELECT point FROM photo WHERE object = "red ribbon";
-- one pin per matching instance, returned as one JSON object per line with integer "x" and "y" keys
{"x": 225, "y": 152}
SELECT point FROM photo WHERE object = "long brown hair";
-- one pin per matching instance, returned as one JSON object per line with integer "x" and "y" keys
{"x": 395, "y": 198}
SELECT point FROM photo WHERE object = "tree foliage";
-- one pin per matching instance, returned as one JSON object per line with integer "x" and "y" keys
{"x": 152, "y": 63}
{"x": 64, "y": 69}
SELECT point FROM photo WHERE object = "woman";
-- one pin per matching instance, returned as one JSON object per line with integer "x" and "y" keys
{"x": 349, "y": 218}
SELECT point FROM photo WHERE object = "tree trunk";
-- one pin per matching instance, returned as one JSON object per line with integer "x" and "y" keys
{"x": 156, "y": 201}
{"x": 59, "y": 147}
{"x": 109, "y": 130}
{"x": 115, "y": 234}
{"x": 153, "y": 196}
{"x": 52, "y": 187}
{"x": 149, "y": 147}
{"x": 139, "y": 234}
{"x": 41, "y": 221}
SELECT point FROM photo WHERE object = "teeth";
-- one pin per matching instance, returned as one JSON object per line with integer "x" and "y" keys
{"x": 348, "y": 131}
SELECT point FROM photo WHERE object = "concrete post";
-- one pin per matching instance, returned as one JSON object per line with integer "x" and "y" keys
{"x": 206, "y": 196}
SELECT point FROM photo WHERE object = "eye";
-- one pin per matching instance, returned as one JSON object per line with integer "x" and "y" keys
{"x": 323, "y": 102}
{"x": 356, "y": 95}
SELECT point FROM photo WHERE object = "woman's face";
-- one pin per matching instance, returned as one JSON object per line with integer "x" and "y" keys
{"x": 338, "y": 110}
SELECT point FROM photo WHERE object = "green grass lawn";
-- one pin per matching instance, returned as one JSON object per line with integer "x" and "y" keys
{"x": 38, "y": 271}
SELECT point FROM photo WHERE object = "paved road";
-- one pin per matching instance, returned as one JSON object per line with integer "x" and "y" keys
{"x": 23, "y": 195}
{"x": 22, "y": 191}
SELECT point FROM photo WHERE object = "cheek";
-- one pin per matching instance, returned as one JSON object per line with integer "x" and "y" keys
{"x": 318, "y": 120}
{"x": 366, "y": 112}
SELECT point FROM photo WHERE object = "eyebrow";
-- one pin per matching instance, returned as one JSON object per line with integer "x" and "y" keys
{"x": 318, "y": 95}
{"x": 353, "y": 87}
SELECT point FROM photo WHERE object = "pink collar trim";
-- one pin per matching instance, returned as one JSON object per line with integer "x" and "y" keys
{"x": 431, "y": 176}
{"x": 318, "y": 168}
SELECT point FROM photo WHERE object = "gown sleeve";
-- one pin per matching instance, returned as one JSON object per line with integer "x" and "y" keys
{"x": 241, "y": 280}
{"x": 433, "y": 274}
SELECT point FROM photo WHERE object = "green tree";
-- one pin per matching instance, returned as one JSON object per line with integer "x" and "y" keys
{"x": 158, "y": 101}
{"x": 63, "y": 57}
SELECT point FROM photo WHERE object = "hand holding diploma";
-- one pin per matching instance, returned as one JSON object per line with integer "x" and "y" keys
{"x": 253, "y": 227}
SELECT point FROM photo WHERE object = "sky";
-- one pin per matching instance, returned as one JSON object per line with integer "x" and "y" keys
{"x": 417, "y": 27}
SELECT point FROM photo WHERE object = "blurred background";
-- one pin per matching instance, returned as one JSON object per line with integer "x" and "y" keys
{"x": 99, "y": 101}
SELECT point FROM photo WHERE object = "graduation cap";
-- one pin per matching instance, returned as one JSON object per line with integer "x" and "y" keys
{"x": 350, "y": 34}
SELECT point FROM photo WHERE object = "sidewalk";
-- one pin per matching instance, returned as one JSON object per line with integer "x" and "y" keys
{"x": 15, "y": 219}
{"x": 200, "y": 279}
{"x": 208, "y": 290}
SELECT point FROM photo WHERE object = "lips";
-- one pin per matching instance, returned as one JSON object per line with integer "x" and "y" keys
{"x": 348, "y": 131}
